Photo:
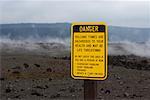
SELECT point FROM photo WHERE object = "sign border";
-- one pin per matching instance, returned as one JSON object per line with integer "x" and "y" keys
{"x": 106, "y": 50}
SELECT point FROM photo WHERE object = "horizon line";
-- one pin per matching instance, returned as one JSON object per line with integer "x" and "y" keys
{"x": 147, "y": 27}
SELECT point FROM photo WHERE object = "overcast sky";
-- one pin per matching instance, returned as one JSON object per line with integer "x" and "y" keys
{"x": 119, "y": 13}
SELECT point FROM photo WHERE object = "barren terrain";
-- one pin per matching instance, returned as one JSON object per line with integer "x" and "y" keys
{"x": 44, "y": 74}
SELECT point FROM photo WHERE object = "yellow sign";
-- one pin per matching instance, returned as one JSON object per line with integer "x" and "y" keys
{"x": 89, "y": 51}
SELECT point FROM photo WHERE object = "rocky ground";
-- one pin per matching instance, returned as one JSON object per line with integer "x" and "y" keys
{"x": 41, "y": 76}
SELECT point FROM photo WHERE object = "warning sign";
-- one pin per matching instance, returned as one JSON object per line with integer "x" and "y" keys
{"x": 89, "y": 51}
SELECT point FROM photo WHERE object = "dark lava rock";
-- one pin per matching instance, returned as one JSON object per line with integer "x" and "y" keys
{"x": 50, "y": 79}
{"x": 8, "y": 90}
{"x": 107, "y": 92}
{"x": 54, "y": 57}
{"x": 66, "y": 58}
{"x": 72, "y": 90}
{"x": 80, "y": 89}
{"x": 102, "y": 89}
{"x": 41, "y": 87}
{"x": 49, "y": 70}
{"x": 144, "y": 61}
{"x": 46, "y": 86}
{"x": 22, "y": 90}
{"x": 55, "y": 96}
{"x": 36, "y": 93}
{"x": 16, "y": 72}
{"x": 62, "y": 89}
{"x": 2, "y": 79}
{"x": 26, "y": 65}
{"x": 118, "y": 78}
{"x": 126, "y": 94}
{"x": 139, "y": 67}
{"x": 118, "y": 96}
{"x": 13, "y": 58}
{"x": 17, "y": 96}
{"x": 133, "y": 96}
{"x": 37, "y": 65}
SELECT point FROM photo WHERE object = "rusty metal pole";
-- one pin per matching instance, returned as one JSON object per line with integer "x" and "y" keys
{"x": 90, "y": 90}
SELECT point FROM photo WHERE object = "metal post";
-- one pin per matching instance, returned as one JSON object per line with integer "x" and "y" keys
{"x": 90, "y": 89}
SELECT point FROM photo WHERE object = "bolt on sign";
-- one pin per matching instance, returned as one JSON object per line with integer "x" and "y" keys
{"x": 89, "y": 50}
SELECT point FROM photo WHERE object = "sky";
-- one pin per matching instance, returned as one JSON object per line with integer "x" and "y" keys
{"x": 133, "y": 13}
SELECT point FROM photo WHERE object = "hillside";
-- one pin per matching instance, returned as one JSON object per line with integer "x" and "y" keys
{"x": 44, "y": 31}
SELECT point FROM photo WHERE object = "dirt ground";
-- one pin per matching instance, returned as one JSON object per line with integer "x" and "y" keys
{"x": 47, "y": 77}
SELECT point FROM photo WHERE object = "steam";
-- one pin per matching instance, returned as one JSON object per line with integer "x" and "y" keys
{"x": 37, "y": 43}
{"x": 33, "y": 43}
{"x": 130, "y": 48}
{"x": 36, "y": 39}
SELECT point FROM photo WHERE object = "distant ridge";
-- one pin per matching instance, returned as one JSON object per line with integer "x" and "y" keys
{"x": 41, "y": 31}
